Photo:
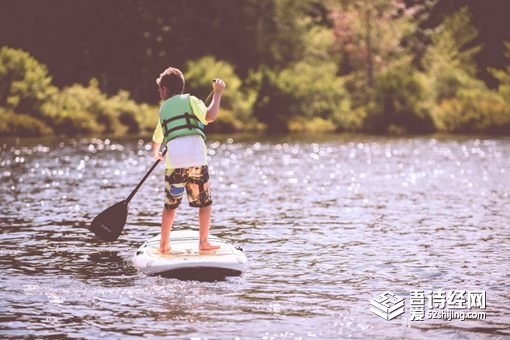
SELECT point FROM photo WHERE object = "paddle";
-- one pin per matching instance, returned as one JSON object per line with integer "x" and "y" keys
{"x": 109, "y": 224}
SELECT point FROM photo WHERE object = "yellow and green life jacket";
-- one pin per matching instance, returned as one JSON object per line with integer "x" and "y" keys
{"x": 177, "y": 118}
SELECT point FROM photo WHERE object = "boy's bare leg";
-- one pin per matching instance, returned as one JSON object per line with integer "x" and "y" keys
{"x": 204, "y": 219}
{"x": 166, "y": 225}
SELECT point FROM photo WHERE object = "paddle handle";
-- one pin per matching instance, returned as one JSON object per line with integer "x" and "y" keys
{"x": 132, "y": 194}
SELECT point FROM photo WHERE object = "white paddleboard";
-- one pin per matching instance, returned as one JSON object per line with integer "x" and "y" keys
{"x": 186, "y": 261}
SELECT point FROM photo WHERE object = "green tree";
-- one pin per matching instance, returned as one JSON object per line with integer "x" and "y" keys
{"x": 371, "y": 40}
{"x": 277, "y": 29}
{"x": 237, "y": 101}
{"x": 373, "y": 44}
{"x": 449, "y": 60}
{"x": 368, "y": 38}
{"x": 21, "y": 125}
{"x": 24, "y": 82}
{"x": 503, "y": 75}
{"x": 82, "y": 110}
{"x": 399, "y": 103}
{"x": 307, "y": 95}
{"x": 461, "y": 102}
{"x": 473, "y": 111}
{"x": 74, "y": 110}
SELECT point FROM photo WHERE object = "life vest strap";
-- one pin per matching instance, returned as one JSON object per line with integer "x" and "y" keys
{"x": 186, "y": 116}
{"x": 180, "y": 127}
{"x": 189, "y": 125}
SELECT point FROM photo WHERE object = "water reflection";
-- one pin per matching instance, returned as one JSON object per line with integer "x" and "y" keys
{"x": 327, "y": 224}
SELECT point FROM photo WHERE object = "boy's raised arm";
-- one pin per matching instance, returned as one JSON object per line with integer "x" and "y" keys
{"x": 212, "y": 110}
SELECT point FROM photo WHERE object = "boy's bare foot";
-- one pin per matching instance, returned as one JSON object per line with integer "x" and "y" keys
{"x": 208, "y": 246}
{"x": 166, "y": 250}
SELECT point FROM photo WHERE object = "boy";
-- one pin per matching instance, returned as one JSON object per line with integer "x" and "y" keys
{"x": 180, "y": 128}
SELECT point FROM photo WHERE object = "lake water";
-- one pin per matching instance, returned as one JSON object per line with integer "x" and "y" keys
{"x": 327, "y": 224}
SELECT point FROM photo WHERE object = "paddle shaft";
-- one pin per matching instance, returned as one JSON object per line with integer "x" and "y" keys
{"x": 132, "y": 194}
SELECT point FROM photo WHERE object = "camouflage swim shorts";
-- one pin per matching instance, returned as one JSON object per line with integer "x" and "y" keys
{"x": 194, "y": 180}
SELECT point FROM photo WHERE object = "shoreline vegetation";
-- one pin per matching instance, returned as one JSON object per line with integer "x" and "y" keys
{"x": 384, "y": 76}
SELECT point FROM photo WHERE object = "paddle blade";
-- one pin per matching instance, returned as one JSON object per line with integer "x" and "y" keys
{"x": 109, "y": 224}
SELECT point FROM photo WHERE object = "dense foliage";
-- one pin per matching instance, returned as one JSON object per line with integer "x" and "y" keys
{"x": 381, "y": 66}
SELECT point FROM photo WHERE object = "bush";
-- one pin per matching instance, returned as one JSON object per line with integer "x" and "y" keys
{"x": 272, "y": 105}
{"x": 236, "y": 102}
{"x": 24, "y": 82}
{"x": 350, "y": 120}
{"x": 76, "y": 110}
{"x": 503, "y": 75}
{"x": 76, "y": 123}
{"x": 473, "y": 111}
{"x": 315, "y": 125}
{"x": 21, "y": 125}
{"x": 79, "y": 110}
{"x": 136, "y": 117}
{"x": 304, "y": 90}
{"x": 226, "y": 122}
{"x": 398, "y": 103}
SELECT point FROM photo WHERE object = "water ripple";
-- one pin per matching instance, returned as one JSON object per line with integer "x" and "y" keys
{"x": 327, "y": 225}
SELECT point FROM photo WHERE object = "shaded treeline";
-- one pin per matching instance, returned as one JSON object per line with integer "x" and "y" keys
{"x": 126, "y": 43}
{"x": 374, "y": 66}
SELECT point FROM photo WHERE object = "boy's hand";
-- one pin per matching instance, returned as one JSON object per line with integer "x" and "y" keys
{"x": 218, "y": 85}
{"x": 159, "y": 156}
{"x": 156, "y": 153}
